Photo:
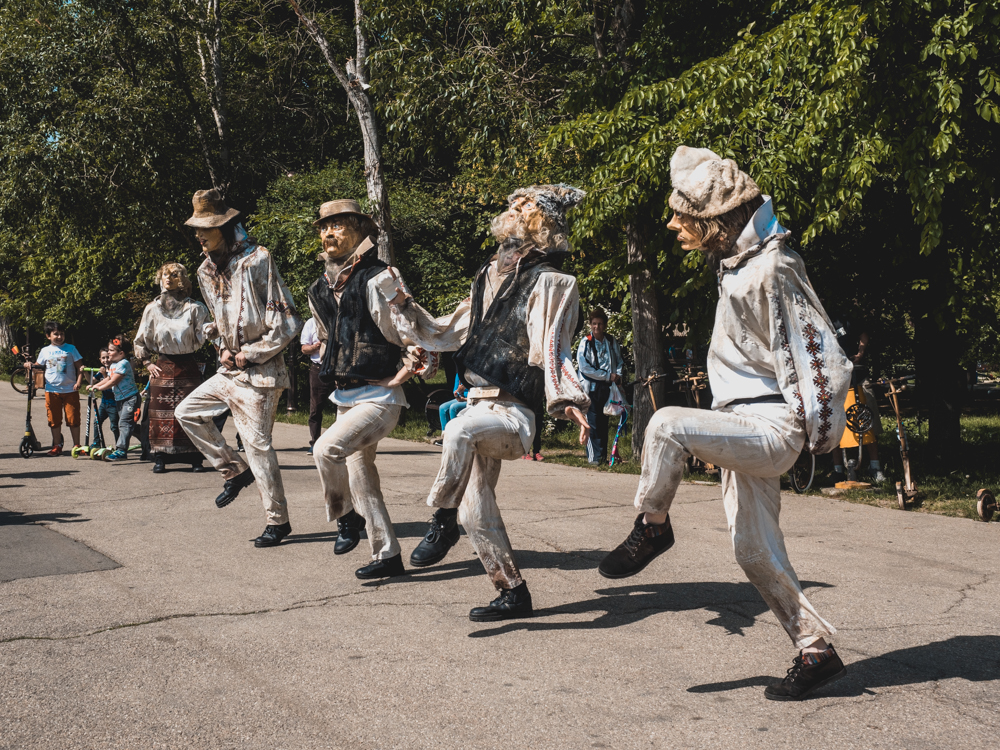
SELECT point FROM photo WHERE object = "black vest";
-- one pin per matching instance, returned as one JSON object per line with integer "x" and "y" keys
{"x": 497, "y": 346}
{"x": 356, "y": 350}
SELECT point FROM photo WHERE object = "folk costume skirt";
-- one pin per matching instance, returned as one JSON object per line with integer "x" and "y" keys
{"x": 180, "y": 375}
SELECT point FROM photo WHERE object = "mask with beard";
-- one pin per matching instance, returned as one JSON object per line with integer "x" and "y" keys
{"x": 337, "y": 256}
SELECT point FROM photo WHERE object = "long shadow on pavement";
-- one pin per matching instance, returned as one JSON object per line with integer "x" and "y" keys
{"x": 38, "y": 474}
{"x": 737, "y": 604}
{"x": 11, "y": 517}
{"x": 971, "y": 657}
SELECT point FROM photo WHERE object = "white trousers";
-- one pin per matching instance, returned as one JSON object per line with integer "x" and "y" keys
{"x": 253, "y": 412}
{"x": 345, "y": 457}
{"x": 754, "y": 444}
{"x": 475, "y": 442}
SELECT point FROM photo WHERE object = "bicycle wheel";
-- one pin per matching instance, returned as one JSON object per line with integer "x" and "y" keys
{"x": 802, "y": 473}
{"x": 19, "y": 387}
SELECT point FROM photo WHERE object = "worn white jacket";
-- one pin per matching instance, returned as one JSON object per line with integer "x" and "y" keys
{"x": 773, "y": 337}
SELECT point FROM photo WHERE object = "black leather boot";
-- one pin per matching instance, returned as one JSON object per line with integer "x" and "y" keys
{"x": 387, "y": 568}
{"x": 510, "y": 604}
{"x": 349, "y": 528}
{"x": 273, "y": 535}
{"x": 442, "y": 535}
{"x": 638, "y": 550}
{"x": 232, "y": 488}
{"x": 159, "y": 464}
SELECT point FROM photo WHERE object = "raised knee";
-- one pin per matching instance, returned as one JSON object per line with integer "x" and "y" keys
{"x": 665, "y": 422}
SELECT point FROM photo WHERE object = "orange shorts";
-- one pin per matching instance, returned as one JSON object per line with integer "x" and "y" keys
{"x": 55, "y": 403}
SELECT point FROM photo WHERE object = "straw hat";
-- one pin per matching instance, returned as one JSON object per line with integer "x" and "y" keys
{"x": 210, "y": 210}
{"x": 338, "y": 208}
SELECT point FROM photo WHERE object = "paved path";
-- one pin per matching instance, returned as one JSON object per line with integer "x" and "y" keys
{"x": 182, "y": 635}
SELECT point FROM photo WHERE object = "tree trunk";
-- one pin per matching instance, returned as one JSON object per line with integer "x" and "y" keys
{"x": 212, "y": 75}
{"x": 940, "y": 378}
{"x": 7, "y": 339}
{"x": 647, "y": 334}
{"x": 355, "y": 83}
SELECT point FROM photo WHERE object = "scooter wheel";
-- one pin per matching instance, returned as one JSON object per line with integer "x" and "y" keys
{"x": 986, "y": 504}
{"x": 98, "y": 454}
{"x": 26, "y": 449}
{"x": 78, "y": 451}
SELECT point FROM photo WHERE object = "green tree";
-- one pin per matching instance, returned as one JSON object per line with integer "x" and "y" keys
{"x": 855, "y": 117}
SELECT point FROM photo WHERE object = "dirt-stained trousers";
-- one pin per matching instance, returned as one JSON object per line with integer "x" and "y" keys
{"x": 253, "y": 411}
{"x": 345, "y": 457}
{"x": 754, "y": 444}
{"x": 474, "y": 444}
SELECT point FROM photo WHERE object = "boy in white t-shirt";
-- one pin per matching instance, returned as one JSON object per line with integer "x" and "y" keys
{"x": 63, "y": 373}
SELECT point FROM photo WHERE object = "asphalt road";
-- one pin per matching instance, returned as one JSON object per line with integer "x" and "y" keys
{"x": 134, "y": 614}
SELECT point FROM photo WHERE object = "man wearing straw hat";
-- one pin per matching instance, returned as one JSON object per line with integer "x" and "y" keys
{"x": 364, "y": 357}
{"x": 254, "y": 320}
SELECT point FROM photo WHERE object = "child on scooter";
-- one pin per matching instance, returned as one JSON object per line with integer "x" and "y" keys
{"x": 108, "y": 407}
{"x": 63, "y": 374}
{"x": 121, "y": 380}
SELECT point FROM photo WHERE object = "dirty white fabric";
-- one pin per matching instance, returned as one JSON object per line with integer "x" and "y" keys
{"x": 553, "y": 311}
{"x": 474, "y": 444}
{"x": 754, "y": 444}
{"x": 490, "y": 431}
{"x": 253, "y": 411}
{"x": 757, "y": 351}
{"x": 772, "y": 336}
{"x": 170, "y": 326}
{"x": 345, "y": 457}
{"x": 253, "y": 313}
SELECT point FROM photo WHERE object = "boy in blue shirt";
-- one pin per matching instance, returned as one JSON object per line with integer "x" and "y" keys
{"x": 121, "y": 380}
{"x": 63, "y": 373}
{"x": 107, "y": 409}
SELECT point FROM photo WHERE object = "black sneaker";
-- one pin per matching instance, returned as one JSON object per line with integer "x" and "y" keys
{"x": 349, "y": 528}
{"x": 637, "y": 551}
{"x": 232, "y": 488}
{"x": 442, "y": 535}
{"x": 510, "y": 604}
{"x": 273, "y": 535}
{"x": 802, "y": 679}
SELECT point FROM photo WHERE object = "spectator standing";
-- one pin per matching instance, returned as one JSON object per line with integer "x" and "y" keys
{"x": 599, "y": 360}
{"x": 319, "y": 392}
{"x": 63, "y": 373}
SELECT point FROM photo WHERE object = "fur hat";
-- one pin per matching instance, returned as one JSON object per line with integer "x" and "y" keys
{"x": 552, "y": 200}
{"x": 706, "y": 185}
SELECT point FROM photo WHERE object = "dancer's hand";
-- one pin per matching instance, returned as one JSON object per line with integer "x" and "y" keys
{"x": 226, "y": 359}
{"x": 241, "y": 360}
{"x": 154, "y": 370}
{"x": 577, "y": 416}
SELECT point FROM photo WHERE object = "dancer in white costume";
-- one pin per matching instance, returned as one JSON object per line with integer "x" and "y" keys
{"x": 514, "y": 339}
{"x": 778, "y": 380}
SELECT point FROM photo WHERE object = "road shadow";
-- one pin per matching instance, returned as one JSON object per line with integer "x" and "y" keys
{"x": 12, "y": 518}
{"x": 975, "y": 658}
{"x": 447, "y": 572}
{"x": 319, "y": 536}
{"x": 737, "y": 605}
{"x": 39, "y": 474}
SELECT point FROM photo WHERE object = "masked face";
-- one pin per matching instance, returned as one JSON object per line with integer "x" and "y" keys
{"x": 686, "y": 234}
{"x": 210, "y": 239}
{"x": 339, "y": 238}
{"x": 172, "y": 279}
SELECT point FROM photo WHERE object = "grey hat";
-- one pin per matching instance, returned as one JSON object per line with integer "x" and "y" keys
{"x": 553, "y": 201}
{"x": 706, "y": 185}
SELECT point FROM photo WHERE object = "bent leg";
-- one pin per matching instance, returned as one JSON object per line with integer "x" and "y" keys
{"x": 763, "y": 442}
{"x": 253, "y": 412}
{"x": 753, "y": 505}
{"x": 197, "y": 415}
{"x": 480, "y": 516}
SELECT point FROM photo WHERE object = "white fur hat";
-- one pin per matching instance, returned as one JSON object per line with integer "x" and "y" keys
{"x": 706, "y": 185}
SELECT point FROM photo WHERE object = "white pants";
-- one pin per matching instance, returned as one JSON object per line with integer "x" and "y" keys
{"x": 345, "y": 457}
{"x": 754, "y": 444}
{"x": 475, "y": 442}
{"x": 253, "y": 412}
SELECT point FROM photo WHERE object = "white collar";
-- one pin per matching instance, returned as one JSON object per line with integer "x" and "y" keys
{"x": 761, "y": 226}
